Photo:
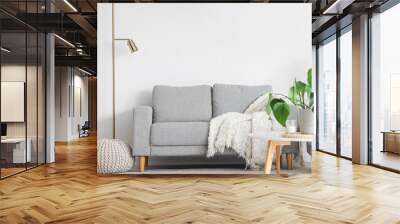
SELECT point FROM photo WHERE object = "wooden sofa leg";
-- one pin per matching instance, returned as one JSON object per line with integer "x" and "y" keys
{"x": 142, "y": 163}
{"x": 289, "y": 160}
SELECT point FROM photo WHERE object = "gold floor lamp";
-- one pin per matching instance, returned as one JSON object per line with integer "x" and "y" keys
{"x": 132, "y": 47}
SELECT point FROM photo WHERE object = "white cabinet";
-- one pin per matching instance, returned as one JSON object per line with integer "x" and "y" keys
{"x": 16, "y": 148}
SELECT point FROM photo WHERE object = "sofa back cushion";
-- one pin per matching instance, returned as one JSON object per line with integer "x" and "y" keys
{"x": 174, "y": 104}
{"x": 235, "y": 98}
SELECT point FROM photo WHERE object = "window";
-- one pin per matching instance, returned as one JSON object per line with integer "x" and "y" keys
{"x": 335, "y": 108}
{"x": 385, "y": 89}
{"x": 22, "y": 77}
{"x": 346, "y": 93}
{"x": 394, "y": 102}
{"x": 327, "y": 97}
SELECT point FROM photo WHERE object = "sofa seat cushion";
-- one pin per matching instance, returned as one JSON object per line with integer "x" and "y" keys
{"x": 235, "y": 98}
{"x": 188, "y": 150}
{"x": 177, "y": 104}
{"x": 179, "y": 133}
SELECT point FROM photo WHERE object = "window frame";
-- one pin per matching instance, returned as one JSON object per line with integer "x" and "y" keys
{"x": 381, "y": 9}
{"x": 334, "y": 37}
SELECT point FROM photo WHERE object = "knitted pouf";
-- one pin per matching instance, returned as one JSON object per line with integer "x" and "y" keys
{"x": 113, "y": 156}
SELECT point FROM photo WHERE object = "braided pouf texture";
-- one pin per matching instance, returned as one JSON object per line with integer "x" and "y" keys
{"x": 113, "y": 156}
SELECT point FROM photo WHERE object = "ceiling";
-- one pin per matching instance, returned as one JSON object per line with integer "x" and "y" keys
{"x": 75, "y": 21}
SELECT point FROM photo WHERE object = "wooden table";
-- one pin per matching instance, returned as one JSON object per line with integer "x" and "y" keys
{"x": 274, "y": 145}
{"x": 391, "y": 141}
{"x": 14, "y": 150}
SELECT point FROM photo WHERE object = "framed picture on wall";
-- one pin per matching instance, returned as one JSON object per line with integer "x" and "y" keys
{"x": 12, "y": 101}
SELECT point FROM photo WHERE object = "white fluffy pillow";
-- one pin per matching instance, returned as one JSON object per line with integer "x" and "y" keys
{"x": 258, "y": 105}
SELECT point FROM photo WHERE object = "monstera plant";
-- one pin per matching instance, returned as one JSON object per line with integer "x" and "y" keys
{"x": 300, "y": 95}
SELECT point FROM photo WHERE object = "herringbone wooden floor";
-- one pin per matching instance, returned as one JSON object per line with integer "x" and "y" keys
{"x": 70, "y": 191}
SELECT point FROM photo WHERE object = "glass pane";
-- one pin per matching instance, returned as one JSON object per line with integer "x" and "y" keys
{"x": 41, "y": 98}
{"x": 327, "y": 97}
{"x": 346, "y": 94}
{"x": 385, "y": 84}
{"x": 31, "y": 97}
{"x": 13, "y": 86}
{"x": 22, "y": 89}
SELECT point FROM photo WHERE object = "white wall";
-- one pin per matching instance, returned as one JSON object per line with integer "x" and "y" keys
{"x": 66, "y": 121}
{"x": 80, "y": 82}
{"x": 19, "y": 73}
{"x": 61, "y": 103}
{"x": 192, "y": 44}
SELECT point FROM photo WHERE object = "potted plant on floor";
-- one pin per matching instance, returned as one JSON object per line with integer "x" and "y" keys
{"x": 300, "y": 95}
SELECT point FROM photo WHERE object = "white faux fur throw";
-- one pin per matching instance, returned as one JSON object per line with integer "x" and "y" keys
{"x": 231, "y": 131}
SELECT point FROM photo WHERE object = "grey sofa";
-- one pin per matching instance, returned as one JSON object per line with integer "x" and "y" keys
{"x": 178, "y": 121}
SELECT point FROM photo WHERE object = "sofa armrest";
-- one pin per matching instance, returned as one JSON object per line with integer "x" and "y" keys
{"x": 142, "y": 120}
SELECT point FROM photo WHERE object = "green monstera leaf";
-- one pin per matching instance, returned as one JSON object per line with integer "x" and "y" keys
{"x": 268, "y": 107}
{"x": 294, "y": 98}
{"x": 301, "y": 88}
{"x": 300, "y": 94}
{"x": 311, "y": 101}
{"x": 281, "y": 110}
{"x": 309, "y": 78}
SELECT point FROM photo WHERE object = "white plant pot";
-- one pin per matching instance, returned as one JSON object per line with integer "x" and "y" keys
{"x": 306, "y": 121}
